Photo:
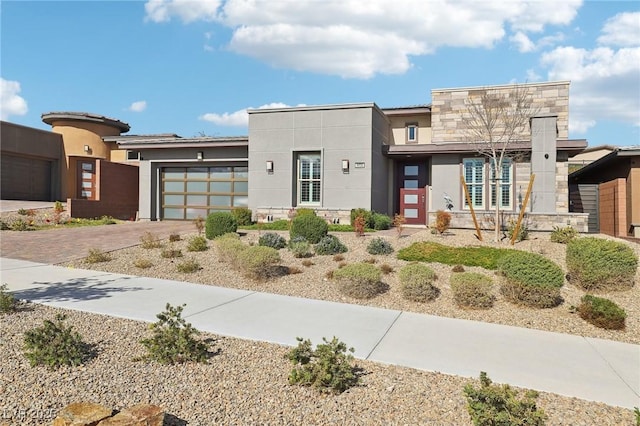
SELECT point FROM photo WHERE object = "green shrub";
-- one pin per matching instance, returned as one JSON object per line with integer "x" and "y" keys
{"x": 188, "y": 266}
{"x": 170, "y": 253}
{"x": 636, "y": 412}
{"x": 379, "y": 246}
{"x": 108, "y": 220}
{"x": 416, "y": 282}
{"x": 359, "y": 280}
{"x": 173, "y": 339}
{"x": 142, "y": 263}
{"x": 20, "y": 225}
{"x": 197, "y": 243}
{"x": 602, "y": 312}
{"x": 229, "y": 248}
{"x": 149, "y": 240}
{"x": 485, "y": 257}
{"x": 366, "y": 214}
{"x": 22, "y": 212}
{"x": 329, "y": 368}
{"x": 337, "y": 227}
{"x": 530, "y": 279}
{"x": 330, "y": 244}
{"x": 96, "y": 256}
{"x": 220, "y": 223}
{"x": 563, "y": 235}
{"x": 4, "y": 226}
{"x": 523, "y": 231}
{"x": 258, "y": 262}
{"x": 300, "y": 247}
{"x": 277, "y": 225}
{"x": 273, "y": 240}
{"x": 303, "y": 211}
{"x": 8, "y": 302}
{"x": 312, "y": 227}
{"x": 500, "y": 405}
{"x": 381, "y": 221}
{"x": 599, "y": 264}
{"x": 54, "y": 345}
{"x": 242, "y": 216}
{"x": 174, "y": 237}
{"x": 472, "y": 290}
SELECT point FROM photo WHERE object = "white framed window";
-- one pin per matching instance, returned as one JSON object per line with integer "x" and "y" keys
{"x": 473, "y": 171}
{"x": 504, "y": 194}
{"x": 309, "y": 178}
{"x": 133, "y": 155}
{"x": 412, "y": 133}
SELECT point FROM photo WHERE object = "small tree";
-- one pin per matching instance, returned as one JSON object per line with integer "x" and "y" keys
{"x": 497, "y": 124}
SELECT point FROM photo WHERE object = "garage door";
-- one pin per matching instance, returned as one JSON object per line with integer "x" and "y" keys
{"x": 189, "y": 192}
{"x": 25, "y": 178}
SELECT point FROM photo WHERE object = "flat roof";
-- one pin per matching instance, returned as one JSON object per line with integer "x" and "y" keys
{"x": 316, "y": 107}
{"x": 178, "y": 142}
{"x": 573, "y": 145}
{"x": 51, "y": 117}
{"x": 502, "y": 86}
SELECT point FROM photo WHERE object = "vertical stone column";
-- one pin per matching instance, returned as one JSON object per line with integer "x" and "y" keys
{"x": 543, "y": 163}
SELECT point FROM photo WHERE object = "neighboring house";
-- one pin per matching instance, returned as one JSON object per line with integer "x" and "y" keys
{"x": 609, "y": 190}
{"x": 589, "y": 155}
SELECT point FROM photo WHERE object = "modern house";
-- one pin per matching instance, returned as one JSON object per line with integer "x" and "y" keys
{"x": 334, "y": 158}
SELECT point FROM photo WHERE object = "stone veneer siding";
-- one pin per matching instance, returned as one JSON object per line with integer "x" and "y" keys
{"x": 449, "y": 109}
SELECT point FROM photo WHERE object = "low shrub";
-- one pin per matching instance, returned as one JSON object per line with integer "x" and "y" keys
{"x": 485, "y": 257}
{"x": 359, "y": 225}
{"x": 54, "y": 344}
{"x": 188, "y": 266}
{"x": 142, "y": 263}
{"x": 602, "y": 312}
{"x": 312, "y": 227}
{"x": 220, "y": 223}
{"x": 599, "y": 264}
{"x": 300, "y": 247}
{"x": 530, "y": 279}
{"x": 338, "y": 258}
{"x": 8, "y": 302}
{"x": 371, "y": 260}
{"x": 472, "y": 290}
{"x": 23, "y": 212}
{"x": 457, "y": 268}
{"x": 173, "y": 339}
{"x": 398, "y": 223}
{"x": 443, "y": 221}
{"x": 416, "y": 282}
{"x": 174, "y": 237}
{"x": 303, "y": 211}
{"x": 386, "y": 268}
{"x": 149, "y": 240}
{"x": 381, "y": 221}
{"x": 276, "y": 225}
{"x": 273, "y": 240}
{"x": 242, "y": 216}
{"x": 523, "y": 231}
{"x": 359, "y": 280}
{"x": 96, "y": 256}
{"x": 563, "y": 235}
{"x": 492, "y": 404}
{"x": 229, "y": 247}
{"x": 307, "y": 263}
{"x": 20, "y": 225}
{"x": 170, "y": 253}
{"x": 379, "y": 246}
{"x": 330, "y": 244}
{"x": 329, "y": 368}
{"x": 366, "y": 214}
{"x": 198, "y": 222}
{"x": 258, "y": 262}
{"x": 197, "y": 243}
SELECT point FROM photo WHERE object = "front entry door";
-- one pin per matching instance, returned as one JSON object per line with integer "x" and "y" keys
{"x": 413, "y": 205}
{"x": 86, "y": 179}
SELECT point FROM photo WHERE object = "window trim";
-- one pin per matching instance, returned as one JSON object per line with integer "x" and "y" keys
{"x": 130, "y": 151}
{"x": 481, "y": 184}
{"x": 414, "y": 126}
{"x": 492, "y": 185}
{"x": 312, "y": 155}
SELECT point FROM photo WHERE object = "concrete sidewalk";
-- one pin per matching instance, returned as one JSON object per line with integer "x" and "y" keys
{"x": 586, "y": 368}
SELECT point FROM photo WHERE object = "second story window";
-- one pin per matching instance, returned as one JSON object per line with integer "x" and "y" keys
{"x": 412, "y": 133}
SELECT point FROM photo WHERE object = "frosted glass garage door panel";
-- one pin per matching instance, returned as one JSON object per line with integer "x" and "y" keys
{"x": 411, "y": 213}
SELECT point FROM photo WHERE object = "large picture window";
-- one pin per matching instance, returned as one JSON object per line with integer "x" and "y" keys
{"x": 505, "y": 184}
{"x": 473, "y": 170}
{"x": 309, "y": 178}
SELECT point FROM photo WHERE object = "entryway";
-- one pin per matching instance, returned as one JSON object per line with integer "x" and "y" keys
{"x": 411, "y": 185}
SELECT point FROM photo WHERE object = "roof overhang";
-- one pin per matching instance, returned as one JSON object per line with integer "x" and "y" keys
{"x": 618, "y": 157}
{"x": 164, "y": 143}
{"x": 52, "y": 117}
{"x": 425, "y": 150}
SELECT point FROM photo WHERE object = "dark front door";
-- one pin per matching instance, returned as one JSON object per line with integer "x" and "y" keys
{"x": 412, "y": 184}
{"x": 86, "y": 179}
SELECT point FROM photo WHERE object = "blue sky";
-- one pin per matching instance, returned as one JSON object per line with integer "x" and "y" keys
{"x": 194, "y": 67}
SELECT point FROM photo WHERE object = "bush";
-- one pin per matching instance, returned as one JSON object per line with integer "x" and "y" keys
{"x": 359, "y": 280}
{"x": 563, "y": 235}
{"x": 173, "y": 339}
{"x": 523, "y": 231}
{"x": 300, "y": 247}
{"x": 416, "y": 282}
{"x": 457, "y": 268}
{"x": 500, "y": 405}
{"x": 97, "y": 256}
{"x": 174, "y": 237}
{"x": 443, "y": 221}
{"x": 170, "y": 253}
{"x": 8, "y": 303}
{"x": 386, "y": 268}
{"x": 379, "y": 246}
{"x": 303, "y": 211}
{"x": 381, "y": 221}
{"x": 472, "y": 290}
{"x": 366, "y": 214}
{"x": 258, "y": 262}
{"x": 20, "y": 225}
{"x": 273, "y": 240}
{"x": 142, "y": 263}
{"x": 55, "y": 345}
{"x": 197, "y": 243}
{"x": 602, "y": 312}
{"x": 188, "y": 266}
{"x": 359, "y": 225}
{"x": 312, "y": 227}
{"x": 229, "y": 248}
{"x": 330, "y": 244}
{"x": 329, "y": 368}
{"x": 530, "y": 279}
{"x": 242, "y": 216}
{"x": 220, "y": 223}
{"x": 485, "y": 257}
{"x": 599, "y": 264}
{"x": 149, "y": 240}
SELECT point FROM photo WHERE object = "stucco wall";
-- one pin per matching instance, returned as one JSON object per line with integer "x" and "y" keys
{"x": 399, "y": 128}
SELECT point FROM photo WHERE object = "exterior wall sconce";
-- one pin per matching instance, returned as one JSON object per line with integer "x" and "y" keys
{"x": 269, "y": 166}
{"x": 345, "y": 166}
{"x": 199, "y": 155}
{"x": 87, "y": 148}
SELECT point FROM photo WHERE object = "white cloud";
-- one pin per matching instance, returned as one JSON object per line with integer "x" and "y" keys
{"x": 621, "y": 30}
{"x": 345, "y": 38}
{"x": 238, "y": 118}
{"x": 523, "y": 43}
{"x": 138, "y": 106}
{"x": 11, "y": 102}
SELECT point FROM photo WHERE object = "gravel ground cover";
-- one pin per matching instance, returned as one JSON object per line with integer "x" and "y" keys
{"x": 244, "y": 383}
